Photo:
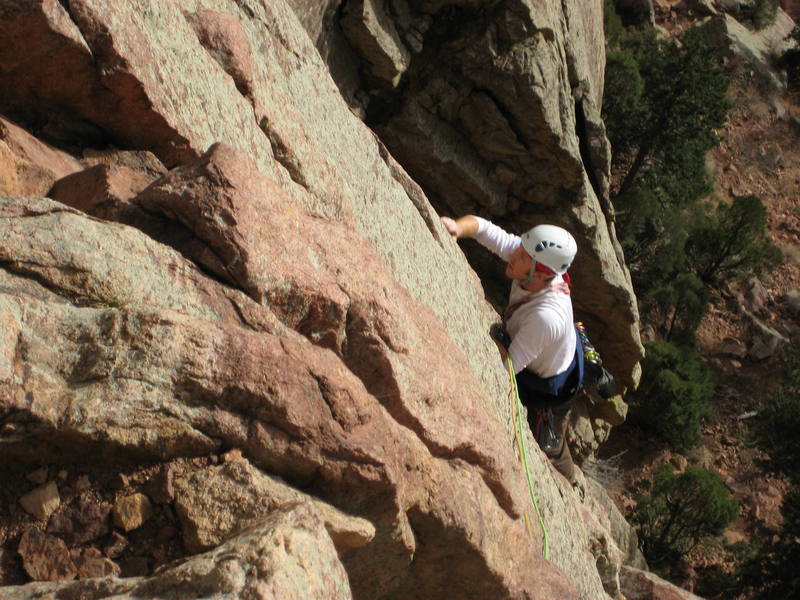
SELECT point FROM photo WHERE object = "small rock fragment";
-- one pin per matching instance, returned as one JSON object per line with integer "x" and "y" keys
{"x": 132, "y": 511}
{"x": 232, "y": 455}
{"x": 90, "y": 563}
{"x": 160, "y": 487}
{"x": 63, "y": 474}
{"x": 81, "y": 523}
{"x": 39, "y": 476}
{"x": 42, "y": 501}
{"x": 82, "y": 483}
{"x": 45, "y": 557}
{"x": 116, "y": 545}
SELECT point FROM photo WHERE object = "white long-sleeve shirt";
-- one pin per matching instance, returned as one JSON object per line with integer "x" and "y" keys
{"x": 542, "y": 332}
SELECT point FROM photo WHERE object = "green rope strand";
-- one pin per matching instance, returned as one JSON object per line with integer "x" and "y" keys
{"x": 524, "y": 448}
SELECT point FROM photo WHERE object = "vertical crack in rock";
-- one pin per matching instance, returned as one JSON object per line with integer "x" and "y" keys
{"x": 284, "y": 154}
{"x": 582, "y": 134}
{"x": 413, "y": 192}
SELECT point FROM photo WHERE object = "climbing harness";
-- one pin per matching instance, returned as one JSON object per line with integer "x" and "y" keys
{"x": 522, "y": 447}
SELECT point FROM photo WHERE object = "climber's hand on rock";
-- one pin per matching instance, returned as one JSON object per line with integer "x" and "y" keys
{"x": 451, "y": 226}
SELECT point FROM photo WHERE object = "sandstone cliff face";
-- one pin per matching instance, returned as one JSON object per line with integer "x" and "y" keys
{"x": 494, "y": 108}
{"x": 285, "y": 289}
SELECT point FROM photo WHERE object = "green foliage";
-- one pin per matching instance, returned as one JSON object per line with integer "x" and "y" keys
{"x": 681, "y": 303}
{"x": 731, "y": 242}
{"x": 761, "y": 13}
{"x": 624, "y": 108}
{"x": 653, "y": 238}
{"x": 673, "y": 397}
{"x": 612, "y": 24}
{"x": 774, "y": 571}
{"x": 777, "y": 429}
{"x": 680, "y": 511}
{"x": 682, "y": 104}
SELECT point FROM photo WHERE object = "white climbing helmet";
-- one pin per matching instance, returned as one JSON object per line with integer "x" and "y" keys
{"x": 551, "y": 246}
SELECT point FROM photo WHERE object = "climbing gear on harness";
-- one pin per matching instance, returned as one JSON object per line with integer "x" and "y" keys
{"x": 596, "y": 374}
{"x": 545, "y": 434}
{"x": 522, "y": 446}
{"x": 500, "y": 335}
{"x": 589, "y": 352}
{"x": 547, "y": 392}
{"x": 551, "y": 246}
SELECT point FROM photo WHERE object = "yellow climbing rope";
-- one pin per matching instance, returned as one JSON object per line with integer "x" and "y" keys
{"x": 522, "y": 446}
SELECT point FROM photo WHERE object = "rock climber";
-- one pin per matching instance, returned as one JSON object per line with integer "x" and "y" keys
{"x": 538, "y": 332}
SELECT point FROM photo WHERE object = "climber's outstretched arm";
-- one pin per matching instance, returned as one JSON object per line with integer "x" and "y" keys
{"x": 466, "y": 226}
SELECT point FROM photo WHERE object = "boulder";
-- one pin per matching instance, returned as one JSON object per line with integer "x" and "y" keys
{"x": 45, "y": 557}
{"x": 371, "y": 31}
{"x": 137, "y": 73}
{"x": 792, "y": 298}
{"x": 223, "y": 36}
{"x": 42, "y": 501}
{"x": 755, "y": 49}
{"x": 217, "y": 503}
{"x": 186, "y": 376}
{"x": 28, "y": 165}
{"x": 287, "y": 555}
{"x": 731, "y": 347}
{"x": 643, "y": 585}
{"x": 613, "y": 410}
{"x": 104, "y": 191}
{"x": 91, "y": 563}
{"x": 623, "y": 534}
{"x": 131, "y": 512}
{"x": 82, "y": 522}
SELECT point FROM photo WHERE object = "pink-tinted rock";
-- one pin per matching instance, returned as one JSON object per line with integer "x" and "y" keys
{"x": 28, "y": 166}
{"x": 643, "y": 585}
{"x": 225, "y": 39}
{"x": 214, "y": 504}
{"x": 102, "y": 191}
{"x": 131, "y": 512}
{"x": 81, "y": 523}
{"x": 287, "y": 556}
{"x": 184, "y": 379}
{"x": 91, "y": 563}
{"x": 324, "y": 281}
{"x": 160, "y": 487}
{"x": 45, "y": 557}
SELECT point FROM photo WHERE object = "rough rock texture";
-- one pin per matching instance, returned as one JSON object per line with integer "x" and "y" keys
{"x": 215, "y": 504}
{"x": 130, "y": 512}
{"x": 28, "y": 165}
{"x": 197, "y": 372}
{"x": 81, "y": 523}
{"x": 756, "y": 48}
{"x": 116, "y": 60}
{"x": 494, "y": 109}
{"x": 287, "y": 289}
{"x": 642, "y": 585}
{"x": 621, "y": 531}
{"x": 44, "y": 557}
{"x": 41, "y": 501}
{"x": 288, "y": 555}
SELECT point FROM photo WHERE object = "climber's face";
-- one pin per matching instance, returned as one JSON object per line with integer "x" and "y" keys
{"x": 519, "y": 264}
